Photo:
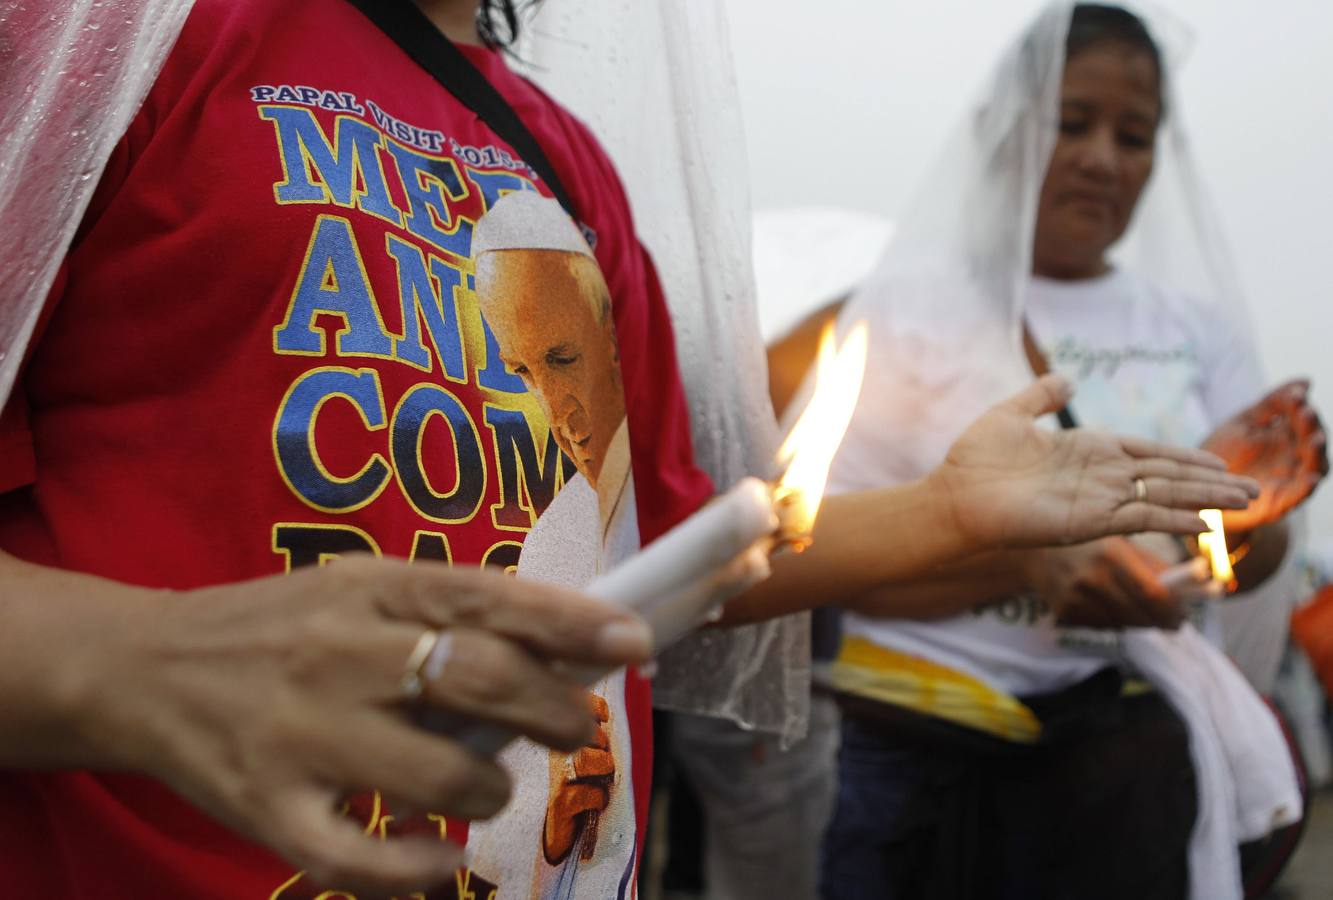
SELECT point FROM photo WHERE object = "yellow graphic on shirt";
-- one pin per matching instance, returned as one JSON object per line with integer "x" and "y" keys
{"x": 495, "y": 465}
{"x": 465, "y": 383}
{"x": 866, "y": 669}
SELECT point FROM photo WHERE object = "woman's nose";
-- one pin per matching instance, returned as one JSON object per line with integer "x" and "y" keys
{"x": 1097, "y": 153}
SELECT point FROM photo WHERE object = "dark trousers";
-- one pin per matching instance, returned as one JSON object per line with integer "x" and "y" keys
{"x": 1101, "y": 808}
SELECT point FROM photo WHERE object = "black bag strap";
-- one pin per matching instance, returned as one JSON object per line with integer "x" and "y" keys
{"x": 420, "y": 39}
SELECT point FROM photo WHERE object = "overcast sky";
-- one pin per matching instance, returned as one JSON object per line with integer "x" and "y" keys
{"x": 847, "y": 101}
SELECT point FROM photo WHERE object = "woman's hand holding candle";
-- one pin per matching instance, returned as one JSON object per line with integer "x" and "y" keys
{"x": 1109, "y": 583}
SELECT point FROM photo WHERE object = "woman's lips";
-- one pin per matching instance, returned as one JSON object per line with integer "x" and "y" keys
{"x": 1089, "y": 199}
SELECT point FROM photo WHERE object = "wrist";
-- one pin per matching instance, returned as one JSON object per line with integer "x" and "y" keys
{"x": 943, "y": 508}
{"x": 105, "y": 697}
{"x": 64, "y": 645}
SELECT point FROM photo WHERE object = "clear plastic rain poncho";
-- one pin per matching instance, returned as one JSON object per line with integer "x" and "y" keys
{"x": 72, "y": 76}
{"x": 655, "y": 82}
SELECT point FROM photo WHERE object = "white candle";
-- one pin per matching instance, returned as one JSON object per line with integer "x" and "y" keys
{"x": 682, "y": 577}
{"x": 673, "y": 585}
{"x": 660, "y": 583}
{"x": 1213, "y": 543}
{"x": 1190, "y": 580}
{"x": 1208, "y": 574}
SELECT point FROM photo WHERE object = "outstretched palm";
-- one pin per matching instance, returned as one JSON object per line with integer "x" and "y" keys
{"x": 1011, "y": 483}
{"x": 1279, "y": 442}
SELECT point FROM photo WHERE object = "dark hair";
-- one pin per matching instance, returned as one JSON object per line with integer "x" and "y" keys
{"x": 1093, "y": 24}
{"x": 497, "y": 21}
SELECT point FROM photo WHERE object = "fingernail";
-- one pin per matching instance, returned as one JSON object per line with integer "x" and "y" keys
{"x": 626, "y": 639}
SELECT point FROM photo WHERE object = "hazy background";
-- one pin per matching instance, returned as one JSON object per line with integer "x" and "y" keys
{"x": 847, "y": 101}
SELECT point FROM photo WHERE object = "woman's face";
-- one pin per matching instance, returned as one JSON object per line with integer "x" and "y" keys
{"x": 1109, "y": 109}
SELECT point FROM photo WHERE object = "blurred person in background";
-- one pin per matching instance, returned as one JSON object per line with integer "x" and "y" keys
{"x": 988, "y": 732}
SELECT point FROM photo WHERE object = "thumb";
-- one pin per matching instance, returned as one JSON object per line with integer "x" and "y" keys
{"x": 1047, "y": 394}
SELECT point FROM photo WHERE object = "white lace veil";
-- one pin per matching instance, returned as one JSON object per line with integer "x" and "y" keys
{"x": 654, "y": 80}
{"x": 656, "y": 83}
{"x": 945, "y": 302}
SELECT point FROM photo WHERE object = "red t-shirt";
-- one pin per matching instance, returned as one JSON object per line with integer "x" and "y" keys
{"x": 228, "y": 385}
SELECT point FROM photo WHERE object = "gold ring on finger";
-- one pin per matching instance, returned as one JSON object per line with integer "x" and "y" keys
{"x": 413, "y": 683}
{"x": 1140, "y": 490}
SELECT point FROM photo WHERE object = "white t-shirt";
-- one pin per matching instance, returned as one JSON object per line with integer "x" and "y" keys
{"x": 1146, "y": 361}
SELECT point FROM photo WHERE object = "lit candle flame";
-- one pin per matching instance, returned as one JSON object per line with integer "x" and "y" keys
{"x": 1213, "y": 543}
{"x": 809, "y": 448}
